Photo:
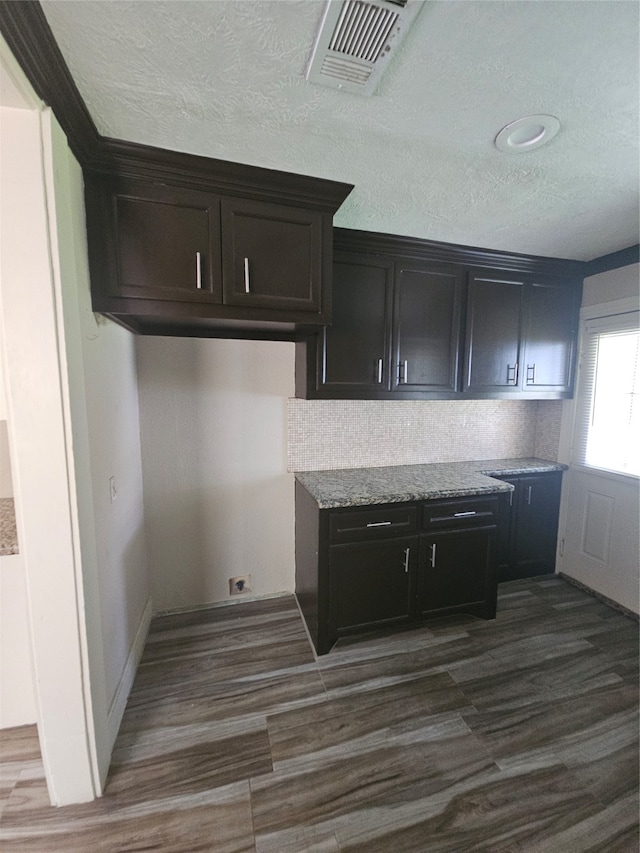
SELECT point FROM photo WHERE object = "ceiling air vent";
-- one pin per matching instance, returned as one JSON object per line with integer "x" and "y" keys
{"x": 356, "y": 40}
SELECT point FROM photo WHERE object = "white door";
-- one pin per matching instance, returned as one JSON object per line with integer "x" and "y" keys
{"x": 599, "y": 542}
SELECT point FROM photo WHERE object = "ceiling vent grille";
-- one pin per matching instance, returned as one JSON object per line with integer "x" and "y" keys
{"x": 356, "y": 40}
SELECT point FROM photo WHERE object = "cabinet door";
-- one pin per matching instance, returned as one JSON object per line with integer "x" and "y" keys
{"x": 551, "y": 313}
{"x": 458, "y": 573}
{"x": 426, "y": 328}
{"x": 535, "y": 531}
{"x": 271, "y": 256}
{"x": 494, "y": 309}
{"x": 353, "y": 352}
{"x": 371, "y": 583}
{"x": 165, "y": 249}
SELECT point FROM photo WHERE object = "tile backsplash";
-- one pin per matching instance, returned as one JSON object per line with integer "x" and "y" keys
{"x": 326, "y": 434}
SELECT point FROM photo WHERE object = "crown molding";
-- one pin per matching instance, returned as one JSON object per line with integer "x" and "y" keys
{"x": 28, "y": 35}
{"x": 614, "y": 260}
{"x": 413, "y": 247}
{"x": 30, "y": 39}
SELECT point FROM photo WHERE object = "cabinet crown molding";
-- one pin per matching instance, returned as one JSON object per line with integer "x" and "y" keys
{"x": 348, "y": 239}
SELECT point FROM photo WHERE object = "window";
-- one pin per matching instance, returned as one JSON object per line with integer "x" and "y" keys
{"x": 609, "y": 408}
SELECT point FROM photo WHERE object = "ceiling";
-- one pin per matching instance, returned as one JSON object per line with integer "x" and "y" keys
{"x": 225, "y": 79}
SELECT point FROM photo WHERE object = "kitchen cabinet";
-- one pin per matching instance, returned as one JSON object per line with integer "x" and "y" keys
{"x": 271, "y": 256}
{"x": 521, "y": 336}
{"x": 395, "y": 332}
{"x": 199, "y": 247}
{"x": 372, "y": 567}
{"x": 414, "y": 319}
{"x": 371, "y": 584}
{"x": 161, "y": 248}
{"x": 529, "y": 526}
{"x": 458, "y": 568}
{"x": 352, "y": 356}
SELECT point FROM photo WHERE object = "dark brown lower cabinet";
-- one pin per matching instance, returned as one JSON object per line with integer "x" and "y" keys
{"x": 529, "y": 526}
{"x": 379, "y": 566}
{"x": 458, "y": 573}
{"x": 371, "y": 584}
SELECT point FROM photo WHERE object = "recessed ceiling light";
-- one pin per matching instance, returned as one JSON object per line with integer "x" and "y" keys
{"x": 527, "y": 133}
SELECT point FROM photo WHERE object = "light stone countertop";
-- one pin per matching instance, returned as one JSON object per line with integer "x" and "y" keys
{"x": 400, "y": 483}
{"x": 8, "y": 533}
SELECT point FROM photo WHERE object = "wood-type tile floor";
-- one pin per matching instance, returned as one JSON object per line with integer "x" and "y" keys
{"x": 519, "y": 734}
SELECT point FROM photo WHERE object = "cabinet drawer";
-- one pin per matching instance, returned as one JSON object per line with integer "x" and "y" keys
{"x": 466, "y": 512}
{"x": 371, "y": 522}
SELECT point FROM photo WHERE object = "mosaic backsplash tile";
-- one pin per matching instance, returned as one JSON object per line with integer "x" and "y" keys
{"x": 548, "y": 419}
{"x": 325, "y": 434}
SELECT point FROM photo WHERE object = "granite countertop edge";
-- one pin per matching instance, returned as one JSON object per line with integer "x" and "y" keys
{"x": 351, "y": 487}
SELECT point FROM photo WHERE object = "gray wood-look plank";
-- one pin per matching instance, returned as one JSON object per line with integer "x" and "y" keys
{"x": 519, "y": 733}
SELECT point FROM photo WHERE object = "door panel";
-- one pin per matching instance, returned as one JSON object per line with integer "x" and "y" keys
{"x": 165, "y": 251}
{"x": 550, "y": 338}
{"x": 354, "y": 350}
{"x": 494, "y": 312}
{"x": 371, "y": 583}
{"x": 426, "y": 329}
{"x": 600, "y": 547}
{"x": 271, "y": 256}
{"x": 458, "y": 570}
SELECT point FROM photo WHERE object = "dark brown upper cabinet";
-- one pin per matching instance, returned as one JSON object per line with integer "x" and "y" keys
{"x": 494, "y": 317}
{"x": 414, "y": 319}
{"x": 426, "y": 327}
{"x": 395, "y": 332}
{"x": 183, "y": 245}
{"x": 271, "y": 256}
{"x": 351, "y": 357}
{"x": 521, "y": 336}
{"x": 550, "y": 336}
{"x": 159, "y": 249}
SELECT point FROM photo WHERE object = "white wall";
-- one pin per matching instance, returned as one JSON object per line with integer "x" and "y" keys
{"x": 73, "y": 422}
{"x": 218, "y": 498}
{"x": 104, "y": 418}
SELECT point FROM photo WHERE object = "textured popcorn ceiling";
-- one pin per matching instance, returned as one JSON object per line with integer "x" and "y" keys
{"x": 224, "y": 78}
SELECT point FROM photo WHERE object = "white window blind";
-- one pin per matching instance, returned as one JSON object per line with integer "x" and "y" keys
{"x": 608, "y": 426}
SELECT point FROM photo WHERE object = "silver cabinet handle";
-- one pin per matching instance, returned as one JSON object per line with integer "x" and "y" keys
{"x": 406, "y": 372}
{"x": 380, "y": 366}
{"x": 531, "y": 374}
{"x": 529, "y": 495}
{"x": 403, "y": 369}
{"x": 464, "y": 514}
{"x": 247, "y": 281}
{"x": 198, "y": 271}
{"x": 406, "y": 559}
{"x": 378, "y": 523}
{"x": 512, "y": 373}
{"x": 432, "y": 560}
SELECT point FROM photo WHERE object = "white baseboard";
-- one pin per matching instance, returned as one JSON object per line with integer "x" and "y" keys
{"x": 116, "y": 710}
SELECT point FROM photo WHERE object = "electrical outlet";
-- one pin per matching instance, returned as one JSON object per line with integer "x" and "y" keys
{"x": 240, "y": 585}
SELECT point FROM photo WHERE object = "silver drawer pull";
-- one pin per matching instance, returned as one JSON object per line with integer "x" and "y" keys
{"x": 432, "y": 560}
{"x": 464, "y": 514}
{"x": 379, "y": 523}
{"x": 407, "y": 551}
{"x": 198, "y": 271}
